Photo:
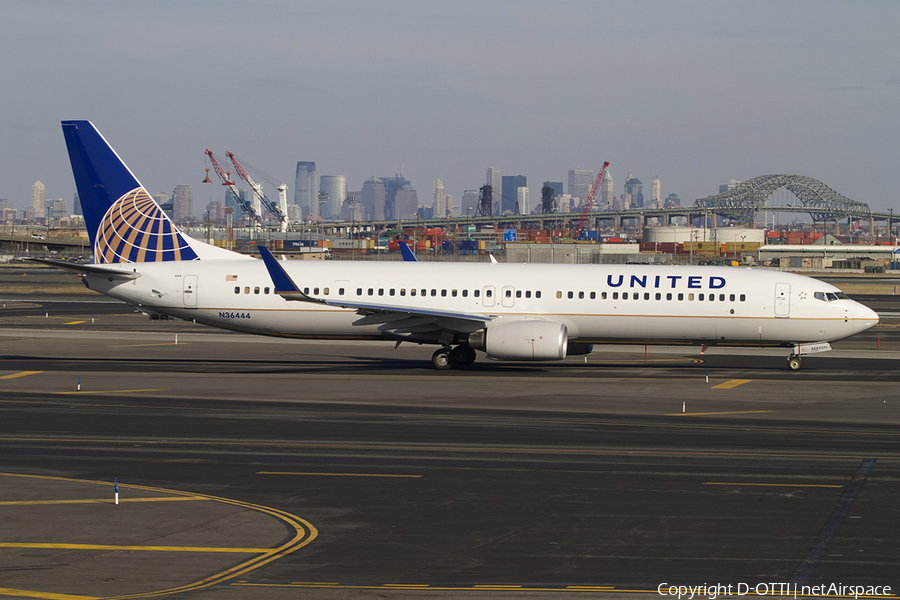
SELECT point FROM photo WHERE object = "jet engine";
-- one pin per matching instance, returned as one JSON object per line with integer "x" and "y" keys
{"x": 522, "y": 340}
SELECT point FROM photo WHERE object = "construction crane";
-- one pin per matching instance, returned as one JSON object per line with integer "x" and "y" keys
{"x": 589, "y": 201}
{"x": 279, "y": 209}
{"x": 225, "y": 176}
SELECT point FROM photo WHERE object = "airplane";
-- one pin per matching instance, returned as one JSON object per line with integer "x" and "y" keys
{"x": 509, "y": 312}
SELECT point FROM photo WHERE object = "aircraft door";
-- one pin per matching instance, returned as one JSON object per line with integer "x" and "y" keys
{"x": 782, "y": 299}
{"x": 487, "y": 296}
{"x": 189, "y": 291}
{"x": 508, "y": 296}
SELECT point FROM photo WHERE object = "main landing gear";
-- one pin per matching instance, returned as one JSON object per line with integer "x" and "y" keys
{"x": 446, "y": 358}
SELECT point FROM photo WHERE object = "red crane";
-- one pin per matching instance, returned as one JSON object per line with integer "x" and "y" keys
{"x": 589, "y": 201}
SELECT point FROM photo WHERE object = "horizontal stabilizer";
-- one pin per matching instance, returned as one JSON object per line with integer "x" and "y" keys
{"x": 92, "y": 269}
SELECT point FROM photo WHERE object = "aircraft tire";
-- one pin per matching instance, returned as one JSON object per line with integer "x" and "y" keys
{"x": 463, "y": 355}
{"x": 794, "y": 363}
{"x": 441, "y": 360}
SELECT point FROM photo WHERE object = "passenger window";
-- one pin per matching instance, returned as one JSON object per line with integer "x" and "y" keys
{"x": 247, "y": 290}
{"x": 680, "y": 297}
{"x": 433, "y": 293}
{"x": 509, "y": 293}
{"x": 624, "y": 295}
{"x": 359, "y": 291}
{"x": 537, "y": 294}
{"x": 412, "y": 292}
{"x": 658, "y": 296}
{"x": 315, "y": 291}
{"x": 402, "y": 291}
{"x": 743, "y": 297}
{"x": 570, "y": 295}
{"x": 528, "y": 294}
{"x": 237, "y": 289}
{"x": 424, "y": 292}
{"x": 306, "y": 291}
{"x": 721, "y": 297}
{"x": 615, "y": 296}
{"x": 325, "y": 291}
{"x": 381, "y": 291}
{"x": 558, "y": 295}
{"x": 489, "y": 293}
{"x": 603, "y": 295}
{"x": 371, "y": 291}
{"x": 690, "y": 297}
{"x": 581, "y": 295}
{"x": 476, "y": 293}
{"x": 669, "y": 296}
{"x": 646, "y": 295}
{"x": 340, "y": 291}
{"x": 518, "y": 293}
{"x": 700, "y": 297}
{"x": 593, "y": 295}
{"x": 392, "y": 291}
{"x": 453, "y": 293}
{"x": 256, "y": 290}
{"x": 712, "y": 297}
{"x": 465, "y": 293}
{"x": 731, "y": 297}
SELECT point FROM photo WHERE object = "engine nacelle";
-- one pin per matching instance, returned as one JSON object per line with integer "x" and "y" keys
{"x": 522, "y": 340}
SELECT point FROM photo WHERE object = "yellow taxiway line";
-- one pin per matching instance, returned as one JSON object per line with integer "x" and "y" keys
{"x": 20, "y": 374}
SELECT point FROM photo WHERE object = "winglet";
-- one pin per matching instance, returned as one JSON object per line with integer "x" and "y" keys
{"x": 284, "y": 285}
{"x": 408, "y": 255}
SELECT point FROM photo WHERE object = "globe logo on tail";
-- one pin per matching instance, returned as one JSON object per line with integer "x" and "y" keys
{"x": 135, "y": 229}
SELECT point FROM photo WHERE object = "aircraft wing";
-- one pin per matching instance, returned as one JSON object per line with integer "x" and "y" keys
{"x": 401, "y": 319}
{"x": 115, "y": 273}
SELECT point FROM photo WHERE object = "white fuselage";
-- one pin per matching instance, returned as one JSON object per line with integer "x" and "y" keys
{"x": 597, "y": 303}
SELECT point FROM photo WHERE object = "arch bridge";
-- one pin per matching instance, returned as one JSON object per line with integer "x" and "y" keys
{"x": 742, "y": 202}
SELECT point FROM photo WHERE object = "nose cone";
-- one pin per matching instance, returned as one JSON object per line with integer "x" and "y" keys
{"x": 863, "y": 317}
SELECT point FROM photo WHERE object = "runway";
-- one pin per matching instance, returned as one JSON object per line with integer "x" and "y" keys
{"x": 252, "y": 467}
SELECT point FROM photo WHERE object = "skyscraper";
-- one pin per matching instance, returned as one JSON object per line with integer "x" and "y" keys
{"x": 37, "y": 200}
{"x": 438, "y": 200}
{"x": 655, "y": 197}
{"x": 556, "y": 186}
{"x": 406, "y": 202}
{"x": 336, "y": 188}
{"x": 635, "y": 189}
{"x": 76, "y": 206}
{"x": 607, "y": 193}
{"x": 306, "y": 189}
{"x": 510, "y": 190}
{"x": 183, "y": 202}
{"x": 391, "y": 186}
{"x": 469, "y": 205}
{"x": 522, "y": 200}
{"x": 580, "y": 183}
{"x": 372, "y": 197}
{"x": 495, "y": 180}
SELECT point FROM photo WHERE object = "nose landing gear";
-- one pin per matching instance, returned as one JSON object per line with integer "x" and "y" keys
{"x": 794, "y": 362}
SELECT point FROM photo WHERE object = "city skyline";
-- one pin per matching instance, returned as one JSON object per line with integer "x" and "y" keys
{"x": 697, "y": 93}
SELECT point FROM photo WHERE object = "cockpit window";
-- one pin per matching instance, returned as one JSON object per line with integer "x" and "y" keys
{"x": 842, "y": 296}
{"x": 819, "y": 296}
{"x": 831, "y": 296}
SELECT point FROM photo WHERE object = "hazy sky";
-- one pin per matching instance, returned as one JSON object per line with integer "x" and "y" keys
{"x": 696, "y": 92}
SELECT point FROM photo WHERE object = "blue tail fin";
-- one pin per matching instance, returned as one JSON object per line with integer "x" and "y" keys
{"x": 125, "y": 224}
